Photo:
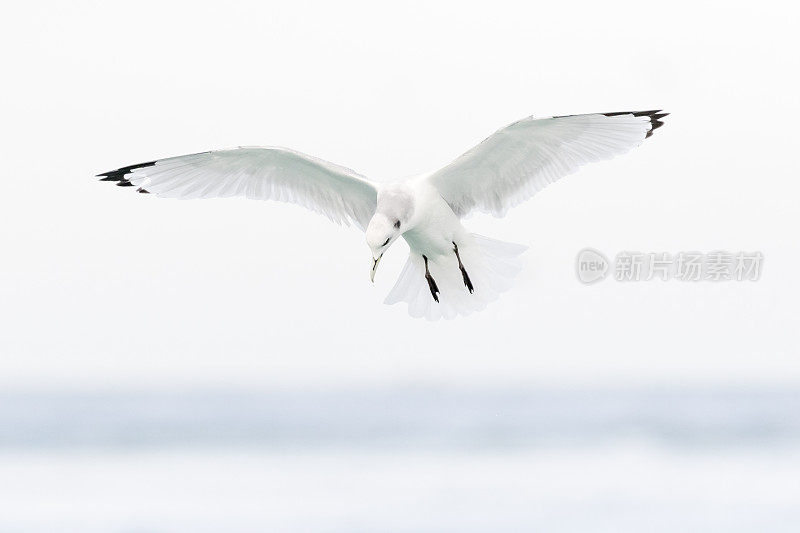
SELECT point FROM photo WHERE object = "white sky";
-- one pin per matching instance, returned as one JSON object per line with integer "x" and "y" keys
{"x": 100, "y": 286}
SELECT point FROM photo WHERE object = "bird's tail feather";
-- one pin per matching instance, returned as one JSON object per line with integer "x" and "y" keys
{"x": 490, "y": 264}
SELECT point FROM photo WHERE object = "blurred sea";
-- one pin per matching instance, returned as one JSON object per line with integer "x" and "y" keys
{"x": 402, "y": 460}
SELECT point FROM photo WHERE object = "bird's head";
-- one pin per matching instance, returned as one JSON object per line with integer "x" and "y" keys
{"x": 393, "y": 217}
{"x": 382, "y": 231}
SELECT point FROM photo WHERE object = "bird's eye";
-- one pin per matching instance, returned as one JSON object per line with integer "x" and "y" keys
{"x": 396, "y": 223}
{"x": 387, "y": 241}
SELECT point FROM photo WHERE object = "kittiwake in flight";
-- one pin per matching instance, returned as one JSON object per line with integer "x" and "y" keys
{"x": 449, "y": 271}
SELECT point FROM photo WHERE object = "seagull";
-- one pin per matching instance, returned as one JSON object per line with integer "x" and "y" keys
{"x": 449, "y": 272}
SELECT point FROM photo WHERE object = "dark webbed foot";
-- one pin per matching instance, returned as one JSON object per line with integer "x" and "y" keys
{"x": 431, "y": 282}
{"x": 464, "y": 274}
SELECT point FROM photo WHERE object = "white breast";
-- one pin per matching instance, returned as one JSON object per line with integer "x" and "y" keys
{"x": 434, "y": 227}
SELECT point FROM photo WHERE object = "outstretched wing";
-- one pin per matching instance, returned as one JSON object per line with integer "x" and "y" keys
{"x": 257, "y": 173}
{"x": 519, "y": 160}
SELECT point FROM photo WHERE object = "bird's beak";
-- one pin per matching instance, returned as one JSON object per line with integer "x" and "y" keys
{"x": 374, "y": 268}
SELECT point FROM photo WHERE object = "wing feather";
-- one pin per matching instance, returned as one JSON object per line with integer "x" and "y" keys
{"x": 267, "y": 173}
{"x": 521, "y": 159}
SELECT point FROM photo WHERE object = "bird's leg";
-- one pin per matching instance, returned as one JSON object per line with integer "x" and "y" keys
{"x": 464, "y": 274}
{"x": 431, "y": 282}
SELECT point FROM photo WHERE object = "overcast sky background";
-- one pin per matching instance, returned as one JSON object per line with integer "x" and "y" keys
{"x": 102, "y": 287}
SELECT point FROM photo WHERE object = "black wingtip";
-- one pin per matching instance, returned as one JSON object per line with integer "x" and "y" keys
{"x": 655, "y": 118}
{"x": 120, "y": 173}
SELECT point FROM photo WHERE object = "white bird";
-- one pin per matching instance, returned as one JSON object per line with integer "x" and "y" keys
{"x": 449, "y": 271}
